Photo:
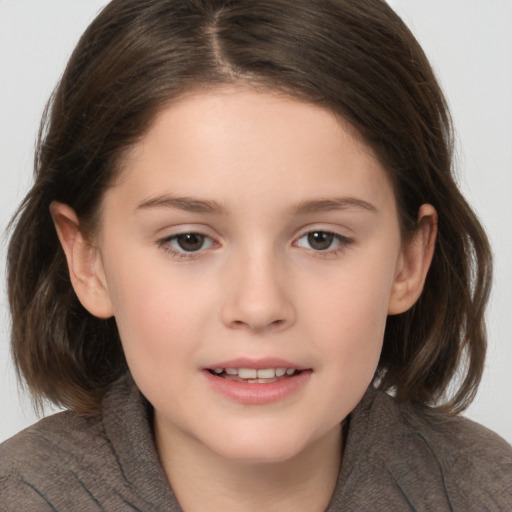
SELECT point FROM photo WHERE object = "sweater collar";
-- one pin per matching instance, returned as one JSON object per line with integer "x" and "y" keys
{"x": 127, "y": 420}
{"x": 383, "y": 467}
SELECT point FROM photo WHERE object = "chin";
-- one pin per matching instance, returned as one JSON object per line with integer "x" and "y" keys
{"x": 259, "y": 453}
{"x": 262, "y": 446}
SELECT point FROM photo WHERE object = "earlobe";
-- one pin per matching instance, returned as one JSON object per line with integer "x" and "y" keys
{"x": 84, "y": 262}
{"x": 414, "y": 262}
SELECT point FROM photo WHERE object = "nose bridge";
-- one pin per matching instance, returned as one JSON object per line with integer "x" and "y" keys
{"x": 257, "y": 297}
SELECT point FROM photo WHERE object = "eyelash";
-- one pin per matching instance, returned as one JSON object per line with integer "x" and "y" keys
{"x": 166, "y": 244}
{"x": 342, "y": 242}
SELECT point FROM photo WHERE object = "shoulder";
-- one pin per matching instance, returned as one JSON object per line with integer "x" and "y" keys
{"x": 52, "y": 436}
{"x": 454, "y": 439}
{"x": 59, "y": 452}
{"x": 471, "y": 464}
{"x": 105, "y": 461}
{"x": 402, "y": 457}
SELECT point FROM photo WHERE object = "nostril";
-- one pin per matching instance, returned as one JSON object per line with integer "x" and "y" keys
{"x": 258, "y": 326}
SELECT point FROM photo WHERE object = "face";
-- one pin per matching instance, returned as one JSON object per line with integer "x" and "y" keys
{"x": 249, "y": 236}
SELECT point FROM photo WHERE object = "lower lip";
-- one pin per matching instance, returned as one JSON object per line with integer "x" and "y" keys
{"x": 258, "y": 393}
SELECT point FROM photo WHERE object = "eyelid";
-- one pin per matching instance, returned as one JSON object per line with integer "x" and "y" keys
{"x": 342, "y": 243}
{"x": 206, "y": 242}
{"x": 341, "y": 238}
{"x": 165, "y": 243}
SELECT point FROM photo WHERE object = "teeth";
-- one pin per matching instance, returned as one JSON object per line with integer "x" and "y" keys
{"x": 251, "y": 373}
{"x": 268, "y": 373}
{"x": 247, "y": 373}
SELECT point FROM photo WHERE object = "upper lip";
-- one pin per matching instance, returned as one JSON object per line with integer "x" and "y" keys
{"x": 257, "y": 364}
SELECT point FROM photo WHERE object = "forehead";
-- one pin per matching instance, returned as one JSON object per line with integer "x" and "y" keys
{"x": 237, "y": 143}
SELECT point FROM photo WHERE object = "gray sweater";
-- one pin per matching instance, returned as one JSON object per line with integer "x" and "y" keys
{"x": 396, "y": 458}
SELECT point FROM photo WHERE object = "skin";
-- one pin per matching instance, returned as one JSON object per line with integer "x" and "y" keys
{"x": 274, "y": 169}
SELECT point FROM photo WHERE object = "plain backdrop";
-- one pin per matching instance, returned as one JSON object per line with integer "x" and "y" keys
{"x": 470, "y": 45}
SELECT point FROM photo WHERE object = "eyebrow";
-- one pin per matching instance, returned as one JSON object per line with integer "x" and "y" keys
{"x": 339, "y": 203}
{"x": 189, "y": 204}
{"x": 186, "y": 204}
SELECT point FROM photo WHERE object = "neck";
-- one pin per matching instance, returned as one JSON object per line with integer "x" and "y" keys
{"x": 202, "y": 480}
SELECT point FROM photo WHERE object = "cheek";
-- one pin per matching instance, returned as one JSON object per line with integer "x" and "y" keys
{"x": 156, "y": 314}
{"x": 354, "y": 332}
{"x": 351, "y": 317}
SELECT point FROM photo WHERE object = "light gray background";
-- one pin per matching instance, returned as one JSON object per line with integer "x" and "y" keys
{"x": 470, "y": 45}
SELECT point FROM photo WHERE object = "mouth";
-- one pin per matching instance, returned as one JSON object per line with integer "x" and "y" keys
{"x": 255, "y": 376}
{"x": 257, "y": 381}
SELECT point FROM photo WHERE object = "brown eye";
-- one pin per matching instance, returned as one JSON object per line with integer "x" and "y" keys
{"x": 190, "y": 242}
{"x": 325, "y": 241}
{"x": 186, "y": 245}
{"x": 320, "y": 240}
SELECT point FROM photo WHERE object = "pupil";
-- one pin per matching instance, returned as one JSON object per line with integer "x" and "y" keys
{"x": 320, "y": 240}
{"x": 190, "y": 241}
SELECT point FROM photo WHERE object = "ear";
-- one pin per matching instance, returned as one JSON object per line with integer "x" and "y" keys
{"x": 414, "y": 262}
{"x": 84, "y": 262}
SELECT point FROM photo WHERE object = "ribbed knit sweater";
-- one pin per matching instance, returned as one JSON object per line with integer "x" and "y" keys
{"x": 396, "y": 458}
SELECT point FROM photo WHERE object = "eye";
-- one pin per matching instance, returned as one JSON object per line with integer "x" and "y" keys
{"x": 322, "y": 241}
{"x": 187, "y": 242}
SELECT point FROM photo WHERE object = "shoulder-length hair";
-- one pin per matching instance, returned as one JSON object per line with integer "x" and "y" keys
{"x": 355, "y": 57}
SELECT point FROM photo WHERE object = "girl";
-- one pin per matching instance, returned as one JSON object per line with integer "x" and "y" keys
{"x": 245, "y": 269}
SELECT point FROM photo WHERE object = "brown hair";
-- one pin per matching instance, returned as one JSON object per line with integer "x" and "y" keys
{"x": 355, "y": 57}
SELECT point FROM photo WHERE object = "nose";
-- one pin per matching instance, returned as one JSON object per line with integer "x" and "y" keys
{"x": 257, "y": 296}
